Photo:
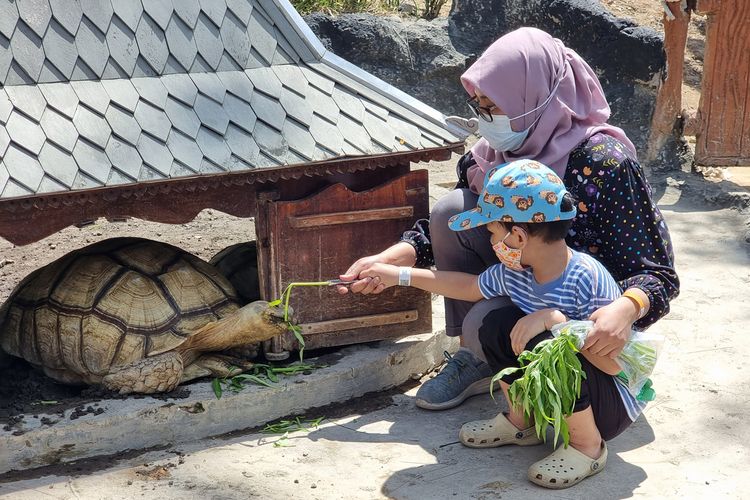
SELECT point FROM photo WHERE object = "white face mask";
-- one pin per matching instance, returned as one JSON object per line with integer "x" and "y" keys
{"x": 499, "y": 134}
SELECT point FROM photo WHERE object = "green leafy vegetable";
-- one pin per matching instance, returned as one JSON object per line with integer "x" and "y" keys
{"x": 283, "y": 442}
{"x": 549, "y": 385}
{"x": 637, "y": 358}
{"x": 260, "y": 374}
{"x": 295, "y": 329}
{"x": 296, "y": 424}
{"x": 216, "y": 385}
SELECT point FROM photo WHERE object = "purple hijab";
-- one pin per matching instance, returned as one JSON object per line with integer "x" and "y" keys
{"x": 518, "y": 72}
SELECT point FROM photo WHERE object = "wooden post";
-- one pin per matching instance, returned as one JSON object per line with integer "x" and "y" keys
{"x": 669, "y": 97}
{"x": 723, "y": 125}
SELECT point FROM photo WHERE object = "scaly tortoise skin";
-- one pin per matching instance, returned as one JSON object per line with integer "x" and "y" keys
{"x": 131, "y": 314}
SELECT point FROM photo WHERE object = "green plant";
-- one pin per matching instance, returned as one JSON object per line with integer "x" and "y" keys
{"x": 284, "y": 427}
{"x": 549, "y": 385}
{"x": 283, "y": 442}
{"x": 260, "y": 374}
{"x": 296, "y": 330}
{"x": 296, "y": 424}
{"x": 331, "y": 7}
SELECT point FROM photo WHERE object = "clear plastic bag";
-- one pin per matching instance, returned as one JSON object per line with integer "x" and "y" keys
{"x": 637, "y": 359}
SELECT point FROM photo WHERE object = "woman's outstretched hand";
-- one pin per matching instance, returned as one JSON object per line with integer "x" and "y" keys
{"x": 400, "y": 254}
{"x": 612, "y": 326}
{"x": 364, "y": 284}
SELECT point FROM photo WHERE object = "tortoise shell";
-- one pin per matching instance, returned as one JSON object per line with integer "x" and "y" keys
{"x": 239, "y": 264}
{"x": 111, "y": 303}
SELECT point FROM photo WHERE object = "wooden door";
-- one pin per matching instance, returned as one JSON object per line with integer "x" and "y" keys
{"x": 723, "y": 128}
{"x": 320, "y": 236}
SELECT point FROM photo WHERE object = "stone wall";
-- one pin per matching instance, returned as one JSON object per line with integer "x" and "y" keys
{"x": 426, "y": 59}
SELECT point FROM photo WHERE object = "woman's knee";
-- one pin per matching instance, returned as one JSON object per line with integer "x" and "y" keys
{"x": 452, "y": 203}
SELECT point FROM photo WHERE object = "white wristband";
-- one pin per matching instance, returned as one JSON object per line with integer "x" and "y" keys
{"x": 404, "y": 276}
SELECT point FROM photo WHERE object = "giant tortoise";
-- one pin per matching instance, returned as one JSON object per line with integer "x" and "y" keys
{"x": 133, "y": 315}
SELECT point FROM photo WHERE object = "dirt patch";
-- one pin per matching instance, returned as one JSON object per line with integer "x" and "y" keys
{"x": 210, "y": 232}
{"x": 156, "y": 473}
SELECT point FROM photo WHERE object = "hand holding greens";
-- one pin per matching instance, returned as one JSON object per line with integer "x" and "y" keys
{"x": 551, "y": 375}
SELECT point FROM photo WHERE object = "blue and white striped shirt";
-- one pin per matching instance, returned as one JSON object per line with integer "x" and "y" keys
{"x": 584, "y": 287}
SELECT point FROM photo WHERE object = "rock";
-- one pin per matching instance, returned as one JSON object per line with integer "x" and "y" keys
{"x": 628, "y": 58}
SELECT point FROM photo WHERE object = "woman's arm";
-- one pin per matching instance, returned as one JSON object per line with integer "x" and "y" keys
{"x": 636, "y": 246}
{"x": 620, "y": 225}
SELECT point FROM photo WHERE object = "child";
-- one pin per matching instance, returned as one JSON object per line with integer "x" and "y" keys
{"x": 528, "y": 212}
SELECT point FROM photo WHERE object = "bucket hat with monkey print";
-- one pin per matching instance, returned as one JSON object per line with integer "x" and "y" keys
{"x": 519, "y": 191}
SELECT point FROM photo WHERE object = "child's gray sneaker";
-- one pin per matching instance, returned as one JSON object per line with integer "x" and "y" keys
{"x": 464, "y": 375}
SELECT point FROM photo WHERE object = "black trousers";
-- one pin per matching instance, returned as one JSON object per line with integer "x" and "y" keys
{"x": 598, "y": 389}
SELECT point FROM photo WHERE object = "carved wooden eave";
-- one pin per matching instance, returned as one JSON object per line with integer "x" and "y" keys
{"x": 27, "y": 219}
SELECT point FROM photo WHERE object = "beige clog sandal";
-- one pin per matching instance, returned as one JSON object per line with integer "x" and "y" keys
{"x": 566, "y": 467}
{"x": 497, "y": 431}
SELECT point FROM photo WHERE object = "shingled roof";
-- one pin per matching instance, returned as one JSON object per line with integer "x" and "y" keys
{"x": 102, "y": 93}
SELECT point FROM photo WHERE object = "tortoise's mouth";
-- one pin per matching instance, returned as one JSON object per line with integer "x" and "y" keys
{"x": 276, "y": 315}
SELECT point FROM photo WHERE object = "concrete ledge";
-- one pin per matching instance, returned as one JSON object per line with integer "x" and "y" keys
{"x": 133, "y": 424}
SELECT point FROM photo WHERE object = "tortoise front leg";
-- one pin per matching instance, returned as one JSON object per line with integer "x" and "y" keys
{"x": 160, "y": 373}
{"x": 215, "y": 365}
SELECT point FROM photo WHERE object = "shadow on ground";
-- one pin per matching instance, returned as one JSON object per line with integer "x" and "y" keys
{"x": 448, "y": 469}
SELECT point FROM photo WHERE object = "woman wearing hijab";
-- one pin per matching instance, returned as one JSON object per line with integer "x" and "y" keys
{"x": 536, "y": 99}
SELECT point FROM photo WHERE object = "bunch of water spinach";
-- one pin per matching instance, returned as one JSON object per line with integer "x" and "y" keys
{"x": 549, "y": 385}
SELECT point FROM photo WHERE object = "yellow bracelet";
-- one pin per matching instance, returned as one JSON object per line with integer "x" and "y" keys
{"x": 638, "y": 302}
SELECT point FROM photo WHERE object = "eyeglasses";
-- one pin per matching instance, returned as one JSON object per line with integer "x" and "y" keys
{"x": 480, "y": 111}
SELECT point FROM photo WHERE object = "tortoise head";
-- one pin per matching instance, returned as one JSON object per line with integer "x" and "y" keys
{"x": 261, "y": 321}
{"x": 252, "y": 323}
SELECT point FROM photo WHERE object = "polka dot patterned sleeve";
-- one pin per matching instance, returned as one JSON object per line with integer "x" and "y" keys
{"x": 419, "y": 237}
{"x": 619, "y": 223}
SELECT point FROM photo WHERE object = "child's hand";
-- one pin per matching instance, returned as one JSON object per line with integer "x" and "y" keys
{"x": 532, "y": 325}
{"x": 385, "y": 275}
